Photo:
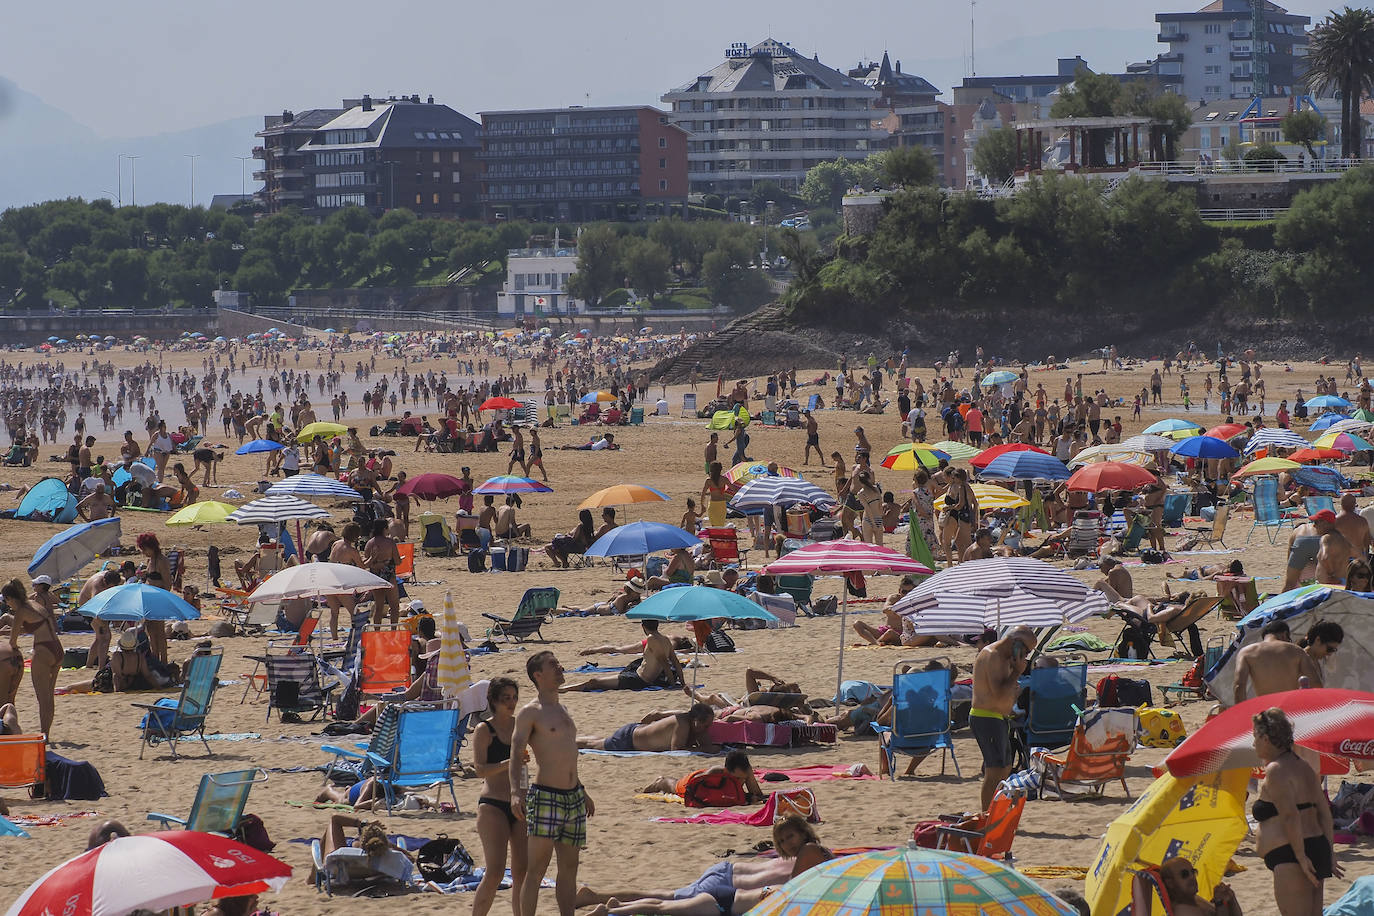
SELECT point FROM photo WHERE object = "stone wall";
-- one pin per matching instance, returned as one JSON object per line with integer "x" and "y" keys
{"x": 26, "y": 330}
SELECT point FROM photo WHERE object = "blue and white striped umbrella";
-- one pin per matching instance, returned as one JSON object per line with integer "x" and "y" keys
{"x": 313, "y": 485}
{"x": 275, "y": 509}
{"x": 1275, "y": 437}
{"x": 777, "y": 491}
{"x": 1026, "y": 466}
{"x": 999, "y": 592}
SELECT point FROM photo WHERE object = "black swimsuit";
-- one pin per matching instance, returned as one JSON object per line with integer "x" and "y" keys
{"x": 1317, "y": 848}
{"x": 497, "y": 752}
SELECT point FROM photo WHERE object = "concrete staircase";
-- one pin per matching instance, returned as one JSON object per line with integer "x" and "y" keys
{"x": 709, "y": 350}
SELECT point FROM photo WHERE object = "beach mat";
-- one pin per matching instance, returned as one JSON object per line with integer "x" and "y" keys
{"x": 588, "y": 750}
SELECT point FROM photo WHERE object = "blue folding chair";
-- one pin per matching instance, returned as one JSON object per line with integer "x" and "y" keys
{"x": 167, "y": 721}
{"x": 1057, "y": 696}
{"x": 1315, "y": 504}
{"x": 920, "y": 716}
{"x": 423, "y": 753}
{"x": 219, "y": 802}
{"x": 1267, "y": 514}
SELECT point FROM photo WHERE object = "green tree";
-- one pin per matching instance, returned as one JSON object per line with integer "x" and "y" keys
{"x": 995, "y": 155}
{"x": 908, "y": 166}
{"x": 73, "y": 277}
{"x": 598, "y": 263}
{"x": 1169, "y": 107}
{"x": 1340, "y": 59}
{"x": 257, "y": 275}
{"x": 1265, "y": 156}
{"x": 1304, "y": 128}
{"x": 826, "y": 183}
{"x": 731, "y": 277}
{"x": 1092, "y": 95}
{"x": 126, "y": 278}
{"x": 646, "y": 263}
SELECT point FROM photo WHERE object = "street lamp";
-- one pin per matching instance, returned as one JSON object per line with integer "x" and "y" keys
{"x": 133, "y": 179}
{"x": 193, "y": 157}
{"x": 243, "y": 167}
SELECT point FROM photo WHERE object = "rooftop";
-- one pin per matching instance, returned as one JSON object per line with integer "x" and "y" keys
{"x": 769, "y": 66}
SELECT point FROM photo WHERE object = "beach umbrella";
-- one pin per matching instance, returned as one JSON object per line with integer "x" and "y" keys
{"x": 746, "y": 471}
{"x": 1226, "y": 431}
{"x": 987, "y": 456}
{"x": 1313, "y": 453}
{"x": 958, "y": 450}
{"x": 455, "y": 669}
{"x": 506, "y": 484}
{"x": 1268, "y": 466}
{"x": 1337, "y": 723}
{"x": 136, "y": 601}
{"x": 697, "y": 602}
{"x": 623, "y": 494}
{"x": 1026, "y": 466}
{"x": 999, "y": 592}
{"x": 911, "y": 880}
{"x": 594, "y": 397}
{"x": 1325, "y": 402}
{"x": 1000, "y": 377}
{"x": 1148, "y": 443}
{"x": 1346, "y": 442}
{"x": 1274, "y": 437}
{"x": 500, "y": 403}
{"x": 1320, "y": 478}
{"x": 1203, "y": 447}
{"x": 62, "y": 555}
{"x": 1173, "y": 425}
{"x": 1351, "y": 425}
{"x": 313, "y": 485}
{"x": 1201, "y": 819}
{"x": 1109, "y": 475}
{"x": 320, "y": 428}
{"x": 991, "y": 496}
{"x": 152, "y": 871}
{"x": 315, "y": 580}
{"x": 1365, "y": 415}
{"x": 275, "y": 509}
{"x": 432, "y": 486}
{"x": 208, "y": 512}
{"x": 778, "y": 491}
{"x": 910, "y": 457}
{"x": 53, "y": 339}
{"x": 1326, "y": 421}
{"x": 841, "y": 557}
{"x": 257, "y": 446}
{"x": 1118, "y": 453}
{"x": 639, "y": 539}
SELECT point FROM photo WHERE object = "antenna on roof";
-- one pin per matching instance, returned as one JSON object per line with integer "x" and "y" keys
{"x": 972, "y": 44}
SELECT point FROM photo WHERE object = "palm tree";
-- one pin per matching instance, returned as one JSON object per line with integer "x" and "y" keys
{"x": 1340, "y": 58}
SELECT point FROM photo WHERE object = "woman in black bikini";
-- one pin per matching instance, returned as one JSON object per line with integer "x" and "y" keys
{"x": 497, "y": 825}
{"x": 30, "y": 617}
{"x": 1293, "y": 818}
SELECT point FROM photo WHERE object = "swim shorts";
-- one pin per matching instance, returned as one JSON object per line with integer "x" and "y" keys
{"x": 624, "y": 737}
{"x": 993, "y": 734}
{"x": 557, "y": 814}
{"x": 718, "y": 881}
{"x": 1304, "y": 551}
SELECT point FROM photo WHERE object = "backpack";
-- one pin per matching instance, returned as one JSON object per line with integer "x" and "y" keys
{"x": 443, "y": 860}
{"x": 1113, "y": 690}
{"x": 252, "y": 832}
{"x": 719, "y": 641}
{"x": 712, "y": 790}
{"x": 477, "y": 561}
{"x": 1161, "y": 728}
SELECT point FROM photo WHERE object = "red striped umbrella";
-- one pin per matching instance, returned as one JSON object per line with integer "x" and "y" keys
{"x": 1336, "y": 723}
{"x": 152, "y": 871}
{"x": 982, "y": 458}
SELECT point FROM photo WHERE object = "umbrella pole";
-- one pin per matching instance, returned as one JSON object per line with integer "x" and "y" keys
{"x": 844, "y": 611}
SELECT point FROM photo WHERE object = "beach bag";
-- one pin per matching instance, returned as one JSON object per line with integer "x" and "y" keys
{"x": 825, "y": 606}
{"x": 1161, "y": 727}
{"x": 103, "y": 682}
{"x": 477, "y": 561}
{"x": 712, "y": 790}
{"x": 801, "y": 802}
{"x": 251, "y": 831}
{"x": 517, "y": 558}
{"x": 1114, "y": 690}
{"x": 719, "y": 641}
{"x": 443, "y": 860}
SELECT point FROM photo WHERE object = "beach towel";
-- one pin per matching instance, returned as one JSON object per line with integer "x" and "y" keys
{"x": 10, "y": 828}
{"x": 587, "y": 750}
{"x": 1080, "y": 642}
{"x": 49, "y": 820}
{"x": 779, "y": 804}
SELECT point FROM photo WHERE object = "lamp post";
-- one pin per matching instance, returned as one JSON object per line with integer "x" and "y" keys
{"x": 133, "y": 179}
{"x": 193, "y": 157}
{"x": 243, "y": 167}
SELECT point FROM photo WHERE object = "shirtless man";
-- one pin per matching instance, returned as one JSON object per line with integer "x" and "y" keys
{"x": 1335, "y": 552}
{"x": 657, "y": 667}
{"x": 98, "y": 505}
{"x": 1273, "y": 665}
{"x": 995, "y": 674}
{"x": 556, "y": 806}
{"x": 813, "y": 440}
{"x": 486, "y": 519}
{"x": 380, "y": 557}
{"x": 506, "y": 525}
{"x": 344, "y": 550}
{"x": 1353, "y": 527}
{"x": 1116, "y": 582}
{"x": 1303, "y": 546}
{"x": 1180, "y": 882}
{"x": 100, "y": 647}
{"x": 981, "y": 548}
{"x": 676, "y": 732}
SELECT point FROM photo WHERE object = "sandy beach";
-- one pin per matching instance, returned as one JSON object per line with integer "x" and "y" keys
{"x": 625, "y": 846}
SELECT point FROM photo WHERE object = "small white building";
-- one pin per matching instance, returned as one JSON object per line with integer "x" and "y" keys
{"x": 536, "y": 282}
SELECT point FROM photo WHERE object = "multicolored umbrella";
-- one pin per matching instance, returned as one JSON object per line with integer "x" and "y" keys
{"x": 594, "y": 397}
{"x": 921, "y": 882}
{"x": 623, "y": 494}
{"x": 505, "y": 484}
{"x": 1000, "y": 377}
{"x": 746, "y": 471}
{"x": 1346, "y": 442}
{"x": 957, "y": 450}
{"x": 910, "y": 456}
{"x": 313, "y": 485}
{"x": 1109, "y": 475}
{"x": 455, "y": 671}
{"x": 986, "y": 457}
{"x": 1173, "y": 425}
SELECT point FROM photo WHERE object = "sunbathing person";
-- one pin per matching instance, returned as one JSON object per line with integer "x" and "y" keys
{"x": 737, "y": 768}
{"x": 369, "y": 795}
{"x": 681, "y": 643}
{"x": 681, "y": 731}
{"x": 1145, "y": 619}
{"x": 657, "y": 667}
{"x": 382, "y": 858}
{"x": 729, "y": 887}
{"x": 631, "y": 593}
{"x": 774, "y": 701}
{"x": 1210, "y": 571}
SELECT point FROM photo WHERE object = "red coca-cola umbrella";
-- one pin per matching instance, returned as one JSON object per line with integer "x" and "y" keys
{"x": 982, "y": 458}
{"x": 432, "y": 486}
{"x": 1110, "y": 475}
{"x": 152, "y": 871}
{"x": 1335, "y": 723}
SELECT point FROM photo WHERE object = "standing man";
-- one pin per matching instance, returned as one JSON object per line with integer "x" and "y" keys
{"x": 1273, "y": 665}
{"x": 712, "y": 448}
{"x": 813, "y": 440}
{"x": 555, "y": 807}
{"x": 1352, "y": 525}
{"x": 995, "y": 673}
{"x": 1334, "y": 552}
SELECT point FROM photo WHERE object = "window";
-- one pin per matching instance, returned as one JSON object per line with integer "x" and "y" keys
{"x": 662, "y": 163}
{"x": 662, "y": 142}
{"x": 435, "y": 199}
{"x": 1209, "y": 49}
{"x": 455, "y": 158}
{"x": 436, "y": 157}
{"x": 437, "y": 177}
{"x": 1212, "y": 69}
{"x": 418, "y": 199}
{"x": 457, "y": 176}
{"x": 1212, "y": 28}
{"x": 419, "y": 177}
{"x": 662, "y": 184}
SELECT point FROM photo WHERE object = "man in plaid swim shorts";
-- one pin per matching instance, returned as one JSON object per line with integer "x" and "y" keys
{"x": 555, "y": 807}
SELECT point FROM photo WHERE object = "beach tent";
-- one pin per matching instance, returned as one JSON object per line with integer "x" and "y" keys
{"x": 725, "y": 419}
{"x": 49, "y": 500}
{"x": 1352, "y": 668}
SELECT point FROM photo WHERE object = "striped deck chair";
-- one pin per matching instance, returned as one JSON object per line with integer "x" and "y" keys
{"x": 1267, "y": 514}
{"x": 293, "y": 685}
{"x": 1102, "y": 742}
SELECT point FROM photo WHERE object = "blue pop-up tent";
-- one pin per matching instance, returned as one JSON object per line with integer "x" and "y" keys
{"x": 48, "y": 501}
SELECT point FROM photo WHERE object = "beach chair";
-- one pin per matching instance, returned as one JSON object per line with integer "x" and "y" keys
{"x": 1102, "y": 742}
{"x": 468, "y": 537}
{"x": 385, "y": 663}
{"x": 1215, "y": 533}
{"x": 170, "y": 722}
{"x": 636, "y": 416}
{"x": 799, "y": 587}
{"x": 293, "y": 686}
{"x": 423, "y": 752}
{"x": 1135, "y": 532}
{"x": 351, "y": 867}
{"x": 1175, "y": 507}
{"x": 1315, "y": 504}
{"x": 1056, "y": 697}
{"x": 406, "y": 567}
{"x": 530, "y": 614}
{"x": 1086, "y": 532}
{"x": 989, "y": 834}
{"x": 1211, "y": 656}
{"x": 768, "y": 418}
{"x": 1228, "y": 610}
{"x": 1267, "y": 514}
{"x": 689, "y": 404}
{"x": 23, "y": 761}
{"x": 792, "y": 418}
{"x": 256, "y": 680}
{"x": 219, "y": 802}
{"x": 725, "y": 548}
{"x": 782, "y": 607}
{"x": 920, "y": 716}
{"x": 813, "y": 402}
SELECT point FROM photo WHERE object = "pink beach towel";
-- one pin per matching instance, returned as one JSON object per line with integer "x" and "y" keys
{"x": 763, "y": 817}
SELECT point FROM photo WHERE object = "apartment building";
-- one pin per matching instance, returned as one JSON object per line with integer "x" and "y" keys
{"x": 1214, "y": 53}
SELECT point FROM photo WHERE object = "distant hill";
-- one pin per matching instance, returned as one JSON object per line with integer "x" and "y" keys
{"x": 48, "y": 154}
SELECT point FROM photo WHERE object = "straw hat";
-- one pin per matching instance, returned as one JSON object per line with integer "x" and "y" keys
{"x": 128, "y": 640}
{"x": 715, "y": 578}
{"x": 636, "y": 585}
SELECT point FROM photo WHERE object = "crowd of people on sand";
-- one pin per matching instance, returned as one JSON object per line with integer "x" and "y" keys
{"x": 533, "y": 808}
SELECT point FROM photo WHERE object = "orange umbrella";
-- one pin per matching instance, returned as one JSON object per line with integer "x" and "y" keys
{"x": 1317, "y": 454}
{"x": 623, "y": 494}
{"x": 1110, "y": 475}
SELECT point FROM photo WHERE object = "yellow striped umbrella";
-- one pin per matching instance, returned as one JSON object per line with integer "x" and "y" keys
{"x": 455, "y": 674}
{"x": 991, "y": 496}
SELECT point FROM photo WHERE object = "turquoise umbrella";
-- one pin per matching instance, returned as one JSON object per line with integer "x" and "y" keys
{"x": 697, "y": 602}
{"x": 135, "y": 601}
{"x": 1169, "y": 426}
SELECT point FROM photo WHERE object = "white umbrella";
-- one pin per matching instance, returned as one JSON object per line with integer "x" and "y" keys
{"x": 1352, "y": 425}
{"x": 1148, "y": 443}
{"x": 455, "y": 674}
{"x": 999, "y": 592}
{"x": 316, "y": 580}
{"x": 314, "y": 485}
{"x": 275, "y": 510}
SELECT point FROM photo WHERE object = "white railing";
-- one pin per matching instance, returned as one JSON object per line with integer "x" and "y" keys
{"x": 1242, "y": 215}
{"x": 1223, "y": 166}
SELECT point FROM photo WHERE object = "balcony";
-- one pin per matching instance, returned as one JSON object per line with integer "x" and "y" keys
{"x": 1242, "y": 75}
{"x": 1172, "y": 36}
{"x": 1240, "y": 36}
{"x": 1171, "y": 56}
{"x": 541, "y": 174}
{"x": 517, "y": 196}
{"x": 261, "y": 174}
{"x": 1241, "y": 55}
{"x": 572, "y": 130}
{"x": 289, "y": 194}
{"x": 258, "y": 152}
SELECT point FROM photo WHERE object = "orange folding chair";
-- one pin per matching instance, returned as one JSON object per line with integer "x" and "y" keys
{"x": 725, "y": 547}
{"x": 989, "y": 834}
{"x": 1102, "y": 743}
{"x": 407, "y": 565}
{"x": 22, "y": 760}
{"x": 386, "y": 659}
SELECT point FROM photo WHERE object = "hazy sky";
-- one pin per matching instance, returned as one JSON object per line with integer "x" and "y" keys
{"x": 145, "y": 66}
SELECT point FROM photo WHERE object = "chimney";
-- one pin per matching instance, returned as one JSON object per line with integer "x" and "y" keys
{"x": 430, "y": 100}
{"x": 415, "y": 98}
{"x": 287, "y": 117}
{"x": 367, "y": 102}
{"x": 899, "y": 66}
